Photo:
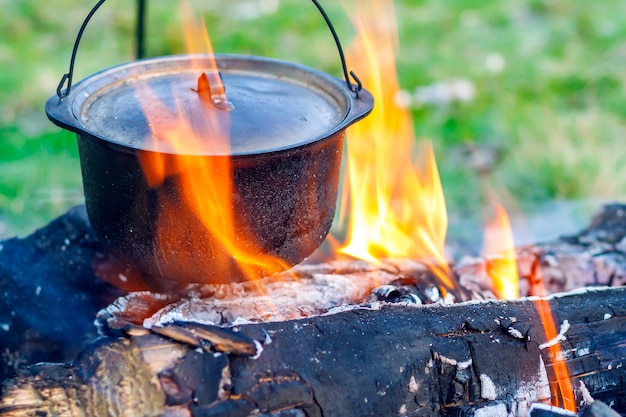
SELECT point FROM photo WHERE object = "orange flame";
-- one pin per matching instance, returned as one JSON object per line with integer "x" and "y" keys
{"x": 396, "y": 203}
{"x": 561, "y": 389}
{"x": 397, "y": 207}
{"x": 501, "y": 265}
{"x": 205, "y": 184}
{"x": 499, "y": 252}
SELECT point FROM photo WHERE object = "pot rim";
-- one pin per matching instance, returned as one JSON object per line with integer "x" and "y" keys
{"x": 63, "y": 112}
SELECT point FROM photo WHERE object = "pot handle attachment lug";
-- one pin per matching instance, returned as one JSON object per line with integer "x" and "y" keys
{"x": 67, "y": 78}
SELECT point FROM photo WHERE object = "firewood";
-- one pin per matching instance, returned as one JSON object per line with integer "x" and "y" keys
{"x": 51, "y": 295}
{"x": 376, "y": 359}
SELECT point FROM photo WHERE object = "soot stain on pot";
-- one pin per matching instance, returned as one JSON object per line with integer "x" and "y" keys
{"x": 288, "y": 198}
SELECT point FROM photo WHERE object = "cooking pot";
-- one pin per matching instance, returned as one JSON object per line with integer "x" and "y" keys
{"x": 286, "y": 126}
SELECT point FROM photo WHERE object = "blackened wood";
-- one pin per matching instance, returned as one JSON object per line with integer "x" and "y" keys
{"x": 598, "y": 409}
{"x": 48, "y": 293}
{"x": 381, "y": 360}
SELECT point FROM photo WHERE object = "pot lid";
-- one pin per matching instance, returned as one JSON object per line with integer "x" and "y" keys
{"x": 277, "y": 104}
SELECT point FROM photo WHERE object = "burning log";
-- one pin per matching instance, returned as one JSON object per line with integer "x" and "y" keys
{"x": 48, "y": 282}
{"x": 595, "y": 256}
{"x": 373, "y": 359}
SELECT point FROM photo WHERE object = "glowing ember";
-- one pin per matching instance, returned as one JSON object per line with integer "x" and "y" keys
{"x": 397, "y": 207}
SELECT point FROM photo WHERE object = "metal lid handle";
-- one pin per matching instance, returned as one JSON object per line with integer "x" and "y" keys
{"x": 67, "y": 78}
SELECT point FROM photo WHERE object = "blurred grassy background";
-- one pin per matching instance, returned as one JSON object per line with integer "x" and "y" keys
{"x": 544, "y": 81}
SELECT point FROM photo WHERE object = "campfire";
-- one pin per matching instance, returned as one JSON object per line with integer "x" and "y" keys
{"x": 210, "y": 178}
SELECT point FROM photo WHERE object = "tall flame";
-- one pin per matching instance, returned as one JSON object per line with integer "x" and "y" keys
{"x": 396, "y": 203}
{"x": 561, "y": 389}
{"x": 501, "y": 265}
{"x": 397, "y": 207}
{"x": 205, "y": 183}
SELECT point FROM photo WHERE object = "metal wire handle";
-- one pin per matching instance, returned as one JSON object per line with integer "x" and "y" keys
{"x": 67, "y": 78}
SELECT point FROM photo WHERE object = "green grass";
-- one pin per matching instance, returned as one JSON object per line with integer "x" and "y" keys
{"x": 555, "y": 114}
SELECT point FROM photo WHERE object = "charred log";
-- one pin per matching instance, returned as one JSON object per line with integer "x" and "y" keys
{"x": 368, "y": 360}
{"x": 595, "y": 256}
{"x": 50, "y": 294}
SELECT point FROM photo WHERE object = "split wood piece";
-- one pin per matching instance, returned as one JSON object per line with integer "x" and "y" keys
{"x": 488, "y": 356}
{"x": 319, "y": 288}
{"x": 595, "y": 256}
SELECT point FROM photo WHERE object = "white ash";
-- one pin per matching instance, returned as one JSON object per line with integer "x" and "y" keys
{"x": 259, "y": 350}
{"x": 586, "y": 399}
{"x": 515, "y": 333}
{"x": 413, "y": 385}
{"x": 551, "y": 410}
{"x": 543, "y": 383}
{"x": 531, "y": 391}
{"x": 464, "y": 365}
{"x": 316, "y": 292}
{"x": 559, "y": 338}
{"x": 373, "y": 305}
{"x": 445, "y": 359}
{"x": 496, "y": 410}
{"x": 487, "y": 388}
{"x": 459, "y": 364}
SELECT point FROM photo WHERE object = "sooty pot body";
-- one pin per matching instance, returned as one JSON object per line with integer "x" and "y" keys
{"x": 283, "y": 205}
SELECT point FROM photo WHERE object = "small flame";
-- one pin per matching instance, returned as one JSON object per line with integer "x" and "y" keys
{"x": 396, "y": 202}
{"x": 499, "y": 252}
{"x": 205, "y": 184}
{"x": 561, "y": 389}
{"x": 501, "y": 265}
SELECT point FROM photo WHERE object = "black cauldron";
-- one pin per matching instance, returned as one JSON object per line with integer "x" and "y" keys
{"x": 286, "y": 134}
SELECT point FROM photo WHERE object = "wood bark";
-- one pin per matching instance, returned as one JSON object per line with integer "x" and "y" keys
{"x": 50, "y": 296}
{"x": 475, "y": 358}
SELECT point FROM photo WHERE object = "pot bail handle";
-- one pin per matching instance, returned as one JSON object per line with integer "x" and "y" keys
{"x": 354, "y": 88}
{"x": 67, "y": 78}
